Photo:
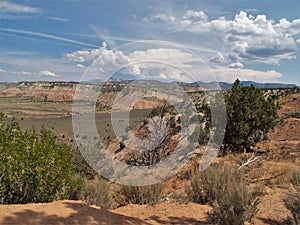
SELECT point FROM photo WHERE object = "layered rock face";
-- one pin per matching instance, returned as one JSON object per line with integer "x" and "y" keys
{"x": 65, "y": 91}
{"x": 40, "y": 91}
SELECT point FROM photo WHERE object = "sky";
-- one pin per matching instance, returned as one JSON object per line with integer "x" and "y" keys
{"x": 73, "y": 40}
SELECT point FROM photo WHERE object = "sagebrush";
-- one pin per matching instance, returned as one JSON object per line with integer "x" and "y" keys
{"x": 223, "y": 187}
{"x": 96, "y": 192}
{"x": 139, "y": 194}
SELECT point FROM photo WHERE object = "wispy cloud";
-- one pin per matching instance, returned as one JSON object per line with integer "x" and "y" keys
{"x": 23, "y": 66}
{"x": 111, "y": 39}
{"x": 48, "y": 36}
{"x": 14, "y": 11}
{"x": 10, "y": 7}
{"x": 60, "y": 19}
{"x": 25, "y": 73}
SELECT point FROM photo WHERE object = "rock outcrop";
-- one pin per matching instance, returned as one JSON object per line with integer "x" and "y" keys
{"x": 40, "y": 91}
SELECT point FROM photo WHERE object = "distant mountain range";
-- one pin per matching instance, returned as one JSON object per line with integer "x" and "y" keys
{"x": 127, "y": 78}
{"x": 200, "y": 84}
{"x": 227, "y": 86}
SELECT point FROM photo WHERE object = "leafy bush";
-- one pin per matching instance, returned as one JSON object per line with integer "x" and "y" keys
{"x": 223, "y": 188}
{"x": 96, "y": 192}
{"x": 33, "y": 166}
{"x": 139, "y": 194}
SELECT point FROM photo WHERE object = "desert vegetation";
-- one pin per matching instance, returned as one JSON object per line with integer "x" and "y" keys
{"x": 34, "y": 166}
{"x": 40, "y": 166}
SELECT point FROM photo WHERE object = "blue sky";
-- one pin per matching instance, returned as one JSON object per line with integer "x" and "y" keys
{"x": 59, "y": 40}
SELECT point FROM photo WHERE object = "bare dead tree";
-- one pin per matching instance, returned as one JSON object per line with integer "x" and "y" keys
{"x": 153, "y": 146}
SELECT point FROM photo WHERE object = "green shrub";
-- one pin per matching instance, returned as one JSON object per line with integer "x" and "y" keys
{"x": 139, "y": 194}
{"x": 223, "y": 188}
{"x": 96, "y": 192}
{"x": 33, "y": 166}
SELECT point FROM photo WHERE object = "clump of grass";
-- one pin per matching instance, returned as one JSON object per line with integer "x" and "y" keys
{"x": 205, "y": 186}
{"x": 96, "y": 192}
{"x": 234, "y": 205}
{"x": 139, "y": 194}
{"x": 224, "y": 188}
{"x": 179, "y": 197}
{"x": 284, "y": 172}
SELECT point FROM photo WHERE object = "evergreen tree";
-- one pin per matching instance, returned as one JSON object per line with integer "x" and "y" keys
{"x": 249, "y": 116}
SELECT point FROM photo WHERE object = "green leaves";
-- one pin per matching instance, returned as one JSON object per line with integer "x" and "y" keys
{"x": 33, "y": 166}
{"x": 249, "y": 114}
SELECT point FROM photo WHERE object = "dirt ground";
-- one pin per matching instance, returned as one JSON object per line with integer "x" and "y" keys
{"x": 283, "y": 148}
{"x": 77, "y": 213}
{"x": 271, "y": 211}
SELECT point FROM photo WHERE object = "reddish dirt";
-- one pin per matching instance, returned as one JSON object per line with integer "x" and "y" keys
{"x": 271, "y": 207}
{"x": 285, "y": 138}
{"x": 283, "y": 154}
{"x": 77, "y": 213}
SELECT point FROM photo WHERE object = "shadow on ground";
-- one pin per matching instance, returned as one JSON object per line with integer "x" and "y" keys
{"x": 83, "y": 215}
{"x": 179, "y": 220}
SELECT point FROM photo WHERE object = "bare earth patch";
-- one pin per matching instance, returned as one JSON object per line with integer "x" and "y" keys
{"x": 77, "y": 213}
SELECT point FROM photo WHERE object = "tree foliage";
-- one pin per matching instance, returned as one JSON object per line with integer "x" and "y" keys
{"x": 249, "y": 116}
{"x": 33, "y": 166}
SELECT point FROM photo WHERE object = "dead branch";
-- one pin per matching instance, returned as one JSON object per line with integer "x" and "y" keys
{"x": 266, "y": 178}
{"x": 250, "y": 160}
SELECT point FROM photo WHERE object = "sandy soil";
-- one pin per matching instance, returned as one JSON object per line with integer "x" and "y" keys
{"x": 77, "y": 213}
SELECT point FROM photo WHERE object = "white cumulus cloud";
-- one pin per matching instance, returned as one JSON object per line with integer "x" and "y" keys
{"x": 219, "y": 58}
{"x": 245, "y": 37}
{"x": 80, "y": 65}
{"x": 166, "y": 64}
{"x": 47, "y": 73}
{"x": 236, "y": 65}
{"x": 195, "y": 15}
